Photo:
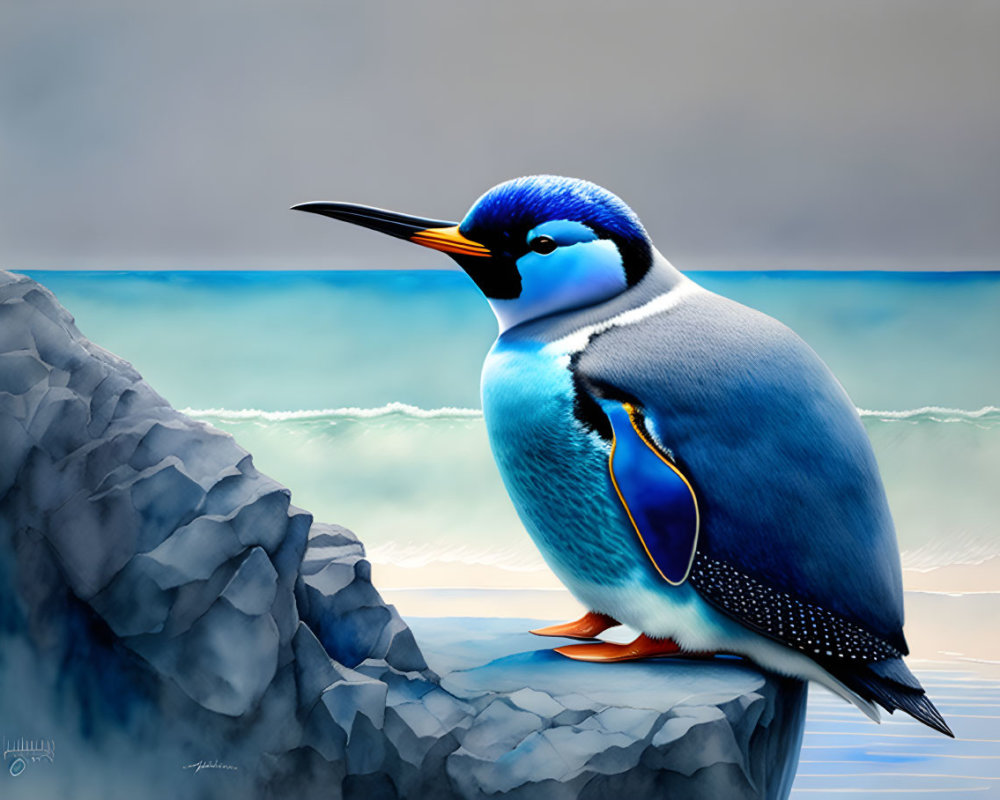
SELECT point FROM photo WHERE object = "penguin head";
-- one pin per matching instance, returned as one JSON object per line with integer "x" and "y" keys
{"x": 534, "y": 246}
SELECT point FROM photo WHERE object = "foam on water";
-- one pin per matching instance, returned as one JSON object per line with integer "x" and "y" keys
{"x": 986, "y": 414}
{"x": 332, "y": 414}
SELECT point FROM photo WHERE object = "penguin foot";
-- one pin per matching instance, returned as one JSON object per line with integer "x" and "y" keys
{"x": 587, "y": 627}
{"x": 643, "y": 647}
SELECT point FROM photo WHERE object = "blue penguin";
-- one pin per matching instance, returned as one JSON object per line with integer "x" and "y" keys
{"x": 686, "y": 465}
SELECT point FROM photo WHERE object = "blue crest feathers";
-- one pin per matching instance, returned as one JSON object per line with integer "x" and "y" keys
{"x": 523, "y": 203}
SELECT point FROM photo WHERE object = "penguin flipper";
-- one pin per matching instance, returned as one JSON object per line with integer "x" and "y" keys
{"x": 786, "y": 479}
{"x": 657, "y": 497}
{"x": 663, "y": 509}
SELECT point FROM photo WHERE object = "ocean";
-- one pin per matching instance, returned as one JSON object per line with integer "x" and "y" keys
{"x": 360, "y": 392}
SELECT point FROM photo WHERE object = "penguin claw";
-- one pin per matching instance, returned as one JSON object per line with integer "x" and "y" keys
{"x": 587, "y": 627}
{"x": 642, "y": 647}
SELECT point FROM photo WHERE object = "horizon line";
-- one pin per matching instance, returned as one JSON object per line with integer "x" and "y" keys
{"x": 749, "y": 269}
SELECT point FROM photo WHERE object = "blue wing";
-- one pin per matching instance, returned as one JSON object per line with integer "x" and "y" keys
{"x": 663, "y": 508}
{"x": 658, "y": 499}
{"x": 788, "y": 488}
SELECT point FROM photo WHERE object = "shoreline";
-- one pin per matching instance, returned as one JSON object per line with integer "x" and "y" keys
{"x": 941, "y": 627}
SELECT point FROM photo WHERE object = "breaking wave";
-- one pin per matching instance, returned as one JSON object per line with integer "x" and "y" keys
{"x": 986, "y": 414}
{"x": 331, "y": 414}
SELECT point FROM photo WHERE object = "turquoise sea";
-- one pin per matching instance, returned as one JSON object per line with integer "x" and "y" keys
{"x": 360, "y": 391}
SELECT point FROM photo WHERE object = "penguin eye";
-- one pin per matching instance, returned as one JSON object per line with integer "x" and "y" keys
{"x": 543, "y": 244}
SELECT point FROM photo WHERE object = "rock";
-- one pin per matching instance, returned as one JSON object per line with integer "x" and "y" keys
{"x": 537, "y": 703}
{"x": 225, "y": 662}
{"x": 93, "y": 536}
{"x": 252, "y": 589}
{"x": 397, "y": 645}
{"x": 162, "y": 604}
{"x": 192, "y": 600}
{"x": 314, "y": 670}
{"x": 352, "y": 694}
{"x": 166, "y": 497}
{"x": 133, "y": 603}
{"x": 215, "y": 453}
{"x": 674, "y": 721}
{"x": 21, "y": 370}
{"x": 193, "y": 551}
{"x": 16, "y": 443}
{"x": 497, "y": 730}
{"x": 263, "y": 521}
{"x": 286, "y": 560}
{"x": 336, "y": 597}
{"x": 59, "y": 423}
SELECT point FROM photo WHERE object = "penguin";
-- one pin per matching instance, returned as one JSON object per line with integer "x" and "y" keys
{"x": 686, "y": 465}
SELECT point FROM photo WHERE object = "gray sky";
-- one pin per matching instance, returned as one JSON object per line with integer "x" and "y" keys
{"x": 841, "y": 134}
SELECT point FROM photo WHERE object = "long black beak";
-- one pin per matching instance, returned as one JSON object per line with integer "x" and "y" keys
{"x": 433, "y": 233}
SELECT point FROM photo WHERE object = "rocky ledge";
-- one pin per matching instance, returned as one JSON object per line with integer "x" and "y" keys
{"x": 176, "y": 628}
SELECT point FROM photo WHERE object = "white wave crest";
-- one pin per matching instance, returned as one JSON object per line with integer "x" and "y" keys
{"x": 935, "y": 414}
{"x": 988, "y": 414}
{"x": 349, "y": 412}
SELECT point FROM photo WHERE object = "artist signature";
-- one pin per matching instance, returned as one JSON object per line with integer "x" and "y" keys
{"x": 20, "y": 751}
{"x": 198, "y": 766}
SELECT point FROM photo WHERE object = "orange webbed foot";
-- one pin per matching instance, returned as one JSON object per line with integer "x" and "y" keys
{"x": 587, "y": 627}
{"x": 642, "y": 647}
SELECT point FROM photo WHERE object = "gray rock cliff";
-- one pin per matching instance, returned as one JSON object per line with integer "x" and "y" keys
{"x": 164, "y": 606}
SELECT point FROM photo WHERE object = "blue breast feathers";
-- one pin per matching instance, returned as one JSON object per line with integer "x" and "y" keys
{"x": 658, "y": 499}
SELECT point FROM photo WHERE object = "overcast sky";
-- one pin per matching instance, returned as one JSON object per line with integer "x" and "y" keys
{"x": 840, "y": 134}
